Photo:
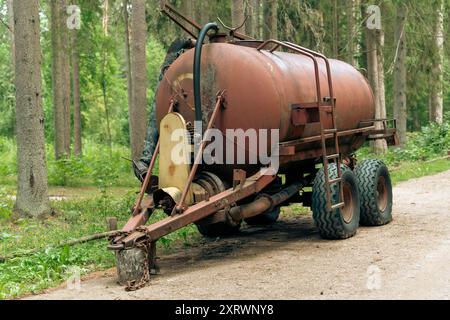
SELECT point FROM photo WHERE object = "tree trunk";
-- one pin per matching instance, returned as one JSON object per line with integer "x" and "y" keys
{"x": 60, "y": 78}
{"x": 436, "y": 88}
{"x": 11, "y": 29}
{"x": 400, "y": 111}
{"x": 375, "y": 72}
{"x": 250, "y": 14}
{"x": 335, "y": 30}
{"x": 237, "y": 13}
{"x": 128, "y": 61}
{"x": 270, "y": 19}
{"x": 380, "y": 145}
{"x": 138, "y": 113}
{"x": 77, "y": 146}
{"x": 32, "y": 194}
{"x": 205, "y": 11}
{"x": 416, "y": 118}
{"x": 187, "y": 8}
{"x": 104, "y": 80}
{"x": 257, "y": 15}
{"x": 352, "y": 32}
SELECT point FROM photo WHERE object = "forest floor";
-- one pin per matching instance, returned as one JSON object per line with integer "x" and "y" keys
{"x": 407, "y": 259}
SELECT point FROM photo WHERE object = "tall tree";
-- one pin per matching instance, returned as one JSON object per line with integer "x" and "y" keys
{"x": 138, "y": 113}
{"x": 270, "y": 19}
{"x": 202, "y": 11}
{"x": 60, "y": 78}
{"x": 375, "y": 72}
{"x": 335, "y": 29}
{"x": 187, "y": 8}
{"x": 436, "y": 80}
{"x": 32, "y": 194}
{"x": 400, "y": 111}
{"x": 77, "y": 145}
{"x": 257, "y": 18}
{"x": 128, "y": 60}
{"x": 11, "y": 28}
{"x": 237, "y": 13}
{"x": 352, "y": 32}
{"x": 104, "y": 81}
{"x": 250, "y": 14}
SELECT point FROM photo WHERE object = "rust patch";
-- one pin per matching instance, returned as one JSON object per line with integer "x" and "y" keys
{"x": 171, "y": 169}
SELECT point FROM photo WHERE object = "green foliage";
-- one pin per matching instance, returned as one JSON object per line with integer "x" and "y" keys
{"x": 8, "y": 157}
{"x": 431, "y": 142}
{"x": 95, "y": 168}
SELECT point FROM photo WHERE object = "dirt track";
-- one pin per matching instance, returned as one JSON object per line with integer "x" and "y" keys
{"x": 407, "y": 259}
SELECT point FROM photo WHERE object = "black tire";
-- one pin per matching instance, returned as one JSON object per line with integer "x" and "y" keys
{"x": 341, "y": 223}
{"x": 375, "y": 189}
{"x": 265, "y": 218}
{"x": 219, "y": 229}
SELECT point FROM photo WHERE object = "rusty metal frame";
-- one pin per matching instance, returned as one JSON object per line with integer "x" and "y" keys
{"x": 197, "y": 211}
{"x": 178, "y": 18}
{"x": 288, "y": 148}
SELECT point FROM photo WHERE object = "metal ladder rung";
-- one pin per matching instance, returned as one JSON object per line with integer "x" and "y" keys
{"x": 337, "y": 206}
{"x": 332, "y": 156}
{"x": 335, "y": 180}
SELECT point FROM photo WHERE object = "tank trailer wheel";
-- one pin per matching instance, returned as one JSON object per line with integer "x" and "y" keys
{"x": 265, "y": 218}
{"x": 213, "y": 185}
{"x": 341, "y": 223}
{"x": 375, "y": 189}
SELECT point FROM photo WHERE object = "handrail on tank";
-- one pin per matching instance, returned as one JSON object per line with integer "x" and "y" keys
{"x": 327, "y": 63}
{"x": 300, "y": 51}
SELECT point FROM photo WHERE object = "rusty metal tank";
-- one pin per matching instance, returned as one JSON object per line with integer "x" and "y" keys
{"x": 264, "y": 90}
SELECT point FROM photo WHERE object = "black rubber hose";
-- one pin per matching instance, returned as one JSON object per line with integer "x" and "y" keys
{"x": 197, "y": 61}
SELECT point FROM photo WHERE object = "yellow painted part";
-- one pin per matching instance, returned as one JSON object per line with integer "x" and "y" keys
{"x": 174, "y": 171}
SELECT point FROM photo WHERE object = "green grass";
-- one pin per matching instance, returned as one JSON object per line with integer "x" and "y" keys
{"x": 74, "y": 219}
{"x": 412, "y": 170}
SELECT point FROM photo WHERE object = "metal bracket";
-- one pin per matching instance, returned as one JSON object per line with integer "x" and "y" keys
{"x": 239, "y": 177}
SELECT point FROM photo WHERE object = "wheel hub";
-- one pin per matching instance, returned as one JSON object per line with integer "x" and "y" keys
{"x": 382, "y": 194}
{"x": 347, "y": 210}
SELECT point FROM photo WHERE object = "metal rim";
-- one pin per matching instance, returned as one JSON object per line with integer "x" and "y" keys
{"x": 382, "y": 194}
{"x": 347, "y": 210}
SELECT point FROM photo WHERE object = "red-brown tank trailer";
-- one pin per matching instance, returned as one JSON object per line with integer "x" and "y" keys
{"x": 324, "y": 110}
